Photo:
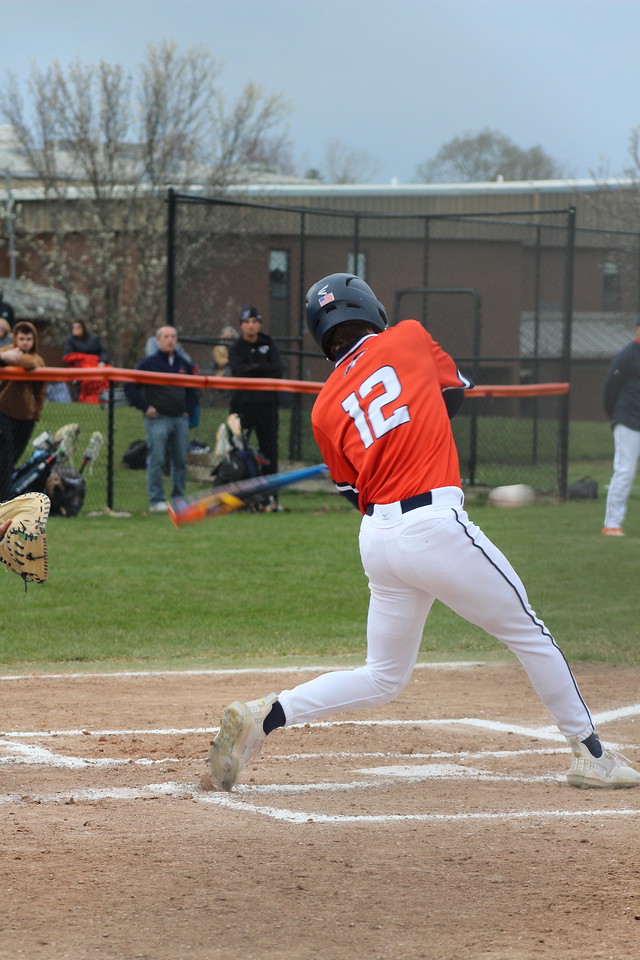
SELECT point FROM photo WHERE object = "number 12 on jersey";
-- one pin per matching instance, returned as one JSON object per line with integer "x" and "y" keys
{"x": 373, "y": 423}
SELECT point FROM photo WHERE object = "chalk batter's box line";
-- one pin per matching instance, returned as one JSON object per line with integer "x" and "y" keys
{"x": 239, "y": 799}
{"x": 297, "y": 817}
{"x": 239, "y": 671}
{"x": 496, "y": 726}
{"x": 245, "y": 796}
{"x": 24, "y": 754}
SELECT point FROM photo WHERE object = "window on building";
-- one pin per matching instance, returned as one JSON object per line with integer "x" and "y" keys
{"x": 279, "y": 274}
{"x": 357, "y": 265}
{"x": 279, "y": 308}
{"x": 610, "y": 286}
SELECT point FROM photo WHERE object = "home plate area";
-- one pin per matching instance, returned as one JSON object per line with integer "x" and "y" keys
{"x": 438, "y": 827}
{"x": 464, "y": 741}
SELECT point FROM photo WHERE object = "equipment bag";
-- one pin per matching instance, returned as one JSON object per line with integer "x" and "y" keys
{"x": 239, "y": 464}
{"x": 135, "y": 456}
{"x": 584, "y": 489}
{"x": 32, "y": 475}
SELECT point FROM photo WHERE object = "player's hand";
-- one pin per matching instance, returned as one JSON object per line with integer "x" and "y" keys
{"x": 3, "y": 528}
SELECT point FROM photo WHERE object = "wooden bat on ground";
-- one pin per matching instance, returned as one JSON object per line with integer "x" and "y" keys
{"x": 232, "y": 496}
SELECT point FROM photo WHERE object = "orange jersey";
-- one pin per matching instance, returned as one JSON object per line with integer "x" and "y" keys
{"x": 380, "y": 420}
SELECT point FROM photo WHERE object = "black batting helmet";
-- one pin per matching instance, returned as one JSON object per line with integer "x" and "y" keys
{"x": 338, "y": 298}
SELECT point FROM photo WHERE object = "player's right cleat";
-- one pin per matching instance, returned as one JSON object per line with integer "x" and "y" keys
{"x": 239, "y": 740}
{"x": 609, "y": 770}
{"x": 612, "y": 532}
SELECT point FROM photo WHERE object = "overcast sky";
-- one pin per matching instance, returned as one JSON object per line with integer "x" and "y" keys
{"x": 394, "y": 78}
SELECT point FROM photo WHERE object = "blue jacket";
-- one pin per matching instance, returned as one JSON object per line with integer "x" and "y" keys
{"x": 170, "y": 401}
{"x": 622, "y": 387}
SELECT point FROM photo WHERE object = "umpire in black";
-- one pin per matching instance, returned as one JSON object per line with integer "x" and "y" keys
{"x": 254, "y": 354}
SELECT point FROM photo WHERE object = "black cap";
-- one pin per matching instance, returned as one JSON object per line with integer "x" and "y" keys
{"x": 248, "y": 312}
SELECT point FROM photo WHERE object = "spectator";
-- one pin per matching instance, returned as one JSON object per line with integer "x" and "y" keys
{"x": 151, "y": 347}
{"x": 220, "y": 352}
{"x": 167, "y": 410}
{"x": 622, "y": 405}
{"x": 6, "y": 310}
{"x": 5, "y": 333}
{"x": 85, "y": 349}
{"x": 21, "y": 401}
{"x": 254, "y": 354}
{"x": 80, "y": 340}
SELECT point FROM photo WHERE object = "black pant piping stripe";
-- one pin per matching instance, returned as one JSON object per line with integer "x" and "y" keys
{"x": 545, "y": 632}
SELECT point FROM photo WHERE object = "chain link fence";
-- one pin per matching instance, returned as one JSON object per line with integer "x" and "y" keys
{"x": 517, "y": 297}
{"x": 474, "y": 281}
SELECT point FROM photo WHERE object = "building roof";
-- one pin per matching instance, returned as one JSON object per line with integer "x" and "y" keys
{"x": 34, "y": 301}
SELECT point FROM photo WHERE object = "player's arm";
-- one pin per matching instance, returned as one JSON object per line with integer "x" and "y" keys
{"x": 349, "y": 491}
{"x": 340, "y": 470}
{"x": 453, "y": 399}
{"x": 452, "y": 383}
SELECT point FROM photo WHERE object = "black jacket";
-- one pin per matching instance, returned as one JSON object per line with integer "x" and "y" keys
{"x": 259, "y": 359}
{"x": 91, "y": 345}
{"x": 622, "y": 387}
{"x": 170, "y": 401}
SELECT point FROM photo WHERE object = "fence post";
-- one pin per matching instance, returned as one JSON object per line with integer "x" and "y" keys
{"x": 566, "y": 349}
{"x": 425, "y": 268}
{"x": 110, "y": 444}
{"x": 295, "y": 426}
{"x": 171, "y": 255}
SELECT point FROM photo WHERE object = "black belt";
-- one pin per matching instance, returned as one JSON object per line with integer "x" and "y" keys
{"x": 411, "y": 503}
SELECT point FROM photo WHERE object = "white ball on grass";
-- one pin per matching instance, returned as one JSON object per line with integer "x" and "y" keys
{"x": 515, "y": 495}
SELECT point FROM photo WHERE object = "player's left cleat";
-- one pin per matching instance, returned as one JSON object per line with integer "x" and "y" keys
{"x": 609, "y": 770}
{"x": 612, "y": 532}
{"x": 239, "y": 740}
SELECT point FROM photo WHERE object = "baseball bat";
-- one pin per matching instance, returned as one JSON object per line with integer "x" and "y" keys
{"x": 232, "y": 496}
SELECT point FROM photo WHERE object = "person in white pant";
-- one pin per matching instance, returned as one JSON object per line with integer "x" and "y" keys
{"x": 382, "y": 423}
{"x": 622, "y": 405}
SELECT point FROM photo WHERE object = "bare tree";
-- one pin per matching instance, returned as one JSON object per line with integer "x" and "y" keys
{"x": 105, "y": 146}
{"x": 343, "y": 164}
{"x": 486, "y": 156}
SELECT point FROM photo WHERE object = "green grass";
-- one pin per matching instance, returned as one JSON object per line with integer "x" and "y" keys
{"x": 270, "y": 588}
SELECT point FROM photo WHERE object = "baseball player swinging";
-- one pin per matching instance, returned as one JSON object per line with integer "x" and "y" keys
{"x": 381, "y": 422}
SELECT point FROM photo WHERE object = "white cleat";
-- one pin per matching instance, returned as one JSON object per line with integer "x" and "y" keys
{"x": 239, "y": 740}
{"x": 609, "y": 770}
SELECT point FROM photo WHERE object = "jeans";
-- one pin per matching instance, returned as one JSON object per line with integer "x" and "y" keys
{"x": 166, "y": 435}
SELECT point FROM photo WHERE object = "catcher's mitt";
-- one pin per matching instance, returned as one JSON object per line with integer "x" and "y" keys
{"x": 23, "y": 548}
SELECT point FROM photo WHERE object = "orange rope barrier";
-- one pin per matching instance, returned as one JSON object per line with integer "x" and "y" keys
{"x": 519, "y": 390}
{"x": 122, "y": 375}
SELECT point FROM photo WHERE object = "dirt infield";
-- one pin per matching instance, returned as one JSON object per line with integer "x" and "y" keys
{"x": 439, "y": 827}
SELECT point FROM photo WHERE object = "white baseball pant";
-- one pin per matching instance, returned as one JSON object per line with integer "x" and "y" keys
{"x": 436, "y": 553}
{"x": 625, "y": 461}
